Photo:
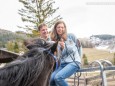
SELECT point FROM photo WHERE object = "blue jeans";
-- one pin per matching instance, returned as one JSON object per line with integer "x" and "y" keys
{"x": 64, "y": 71}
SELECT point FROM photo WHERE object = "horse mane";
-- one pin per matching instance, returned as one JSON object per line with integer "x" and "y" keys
{"x": 31, "y": 69}
{"x": 23, "y": 71}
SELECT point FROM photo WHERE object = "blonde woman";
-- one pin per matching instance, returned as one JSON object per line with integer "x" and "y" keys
{"x": 70, "y": 59}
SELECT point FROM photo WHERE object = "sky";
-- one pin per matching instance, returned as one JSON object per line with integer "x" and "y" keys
{"x": 82, "y": 17}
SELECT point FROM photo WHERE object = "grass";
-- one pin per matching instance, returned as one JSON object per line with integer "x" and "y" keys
{"x": 95, "y": 54}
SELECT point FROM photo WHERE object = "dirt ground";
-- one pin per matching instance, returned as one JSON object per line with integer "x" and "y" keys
{"x": 92, "y": 79}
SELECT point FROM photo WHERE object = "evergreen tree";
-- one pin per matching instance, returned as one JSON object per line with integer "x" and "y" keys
{"x": 114, "y": 58}
{"x": 36, "y": 12}
{"x": 85, "y": 60}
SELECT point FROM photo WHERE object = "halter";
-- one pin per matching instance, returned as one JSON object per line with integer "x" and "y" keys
{"x": 55, "y": 58}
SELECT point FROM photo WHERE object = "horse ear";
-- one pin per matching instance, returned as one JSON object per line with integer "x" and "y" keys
{"x": 54, "y": 47}
{"x": 28, "y": 43}
{"x": 29, "y": 46}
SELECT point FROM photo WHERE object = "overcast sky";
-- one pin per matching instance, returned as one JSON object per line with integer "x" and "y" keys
{"x": 82, "y": 17}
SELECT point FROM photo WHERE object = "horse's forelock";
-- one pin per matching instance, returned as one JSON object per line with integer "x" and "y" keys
{"x": 32, "y": 53}
{"x": 37, "y": 43}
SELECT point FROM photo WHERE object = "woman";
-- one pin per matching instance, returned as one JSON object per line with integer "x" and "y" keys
{"x": 70, "y": 59}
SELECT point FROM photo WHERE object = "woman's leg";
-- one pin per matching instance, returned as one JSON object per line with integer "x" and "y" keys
{"x": 67, "y": 71}
{"x": 52, "y": 81}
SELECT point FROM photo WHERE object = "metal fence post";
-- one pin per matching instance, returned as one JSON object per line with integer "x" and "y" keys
{"x": 103, "y": 74}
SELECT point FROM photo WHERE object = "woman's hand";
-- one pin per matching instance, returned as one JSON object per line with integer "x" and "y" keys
{"x": 62, "y": 44}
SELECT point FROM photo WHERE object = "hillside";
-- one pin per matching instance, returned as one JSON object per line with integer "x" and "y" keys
{"x": 95, "y": 54}
{"x": 106, "y": 42}
{"x": 6, "y": 36}
{"x": 104, "y": 36}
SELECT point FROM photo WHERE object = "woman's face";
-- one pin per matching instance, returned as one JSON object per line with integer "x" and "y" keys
{"x": 60, "y": 29}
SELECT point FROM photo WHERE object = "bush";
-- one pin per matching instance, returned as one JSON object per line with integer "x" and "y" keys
{"x": 114, "y": 58}
{"x": 85, "y": 60}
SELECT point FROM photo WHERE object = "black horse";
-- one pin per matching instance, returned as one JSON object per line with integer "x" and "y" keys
{"x": 31, "y": 69}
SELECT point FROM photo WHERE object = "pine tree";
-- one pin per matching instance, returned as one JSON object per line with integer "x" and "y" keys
{"x": 114, "y": 58}
{"x": 36, "y": 12}
{"x": 85, "y": 60}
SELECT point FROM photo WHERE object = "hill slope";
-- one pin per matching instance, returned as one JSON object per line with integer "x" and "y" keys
{"x": 95, "y": 54}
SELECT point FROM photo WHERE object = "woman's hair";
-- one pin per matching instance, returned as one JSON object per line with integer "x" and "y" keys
{"x": 54, "y": 34}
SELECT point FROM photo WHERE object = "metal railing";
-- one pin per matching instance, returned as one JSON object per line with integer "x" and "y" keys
{"x": 98, "y": 65}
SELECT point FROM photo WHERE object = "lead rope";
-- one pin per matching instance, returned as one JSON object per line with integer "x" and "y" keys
{"x": 76, "y": 64}
{"x": 55, "y": 58}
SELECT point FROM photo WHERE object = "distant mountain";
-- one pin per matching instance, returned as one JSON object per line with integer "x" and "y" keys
{"x": 104, "y": 36}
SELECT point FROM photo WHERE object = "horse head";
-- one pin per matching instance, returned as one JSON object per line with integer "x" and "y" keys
{"x": 33, "y": 68}
{"x": 41, "y": 43}
{"x": 49, "y": 47}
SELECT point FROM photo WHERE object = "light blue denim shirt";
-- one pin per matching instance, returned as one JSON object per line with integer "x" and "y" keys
{"x": 70, "y": 50}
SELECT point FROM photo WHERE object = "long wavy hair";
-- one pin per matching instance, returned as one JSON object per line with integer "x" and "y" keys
{"x": 31, "y": 69}
{"x": 54, "y": 34}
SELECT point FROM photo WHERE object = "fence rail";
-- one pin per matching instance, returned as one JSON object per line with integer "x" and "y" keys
{"x": 99, "y": 65}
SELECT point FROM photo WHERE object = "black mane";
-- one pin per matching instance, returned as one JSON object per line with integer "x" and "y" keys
{"x": 31, "y": 69}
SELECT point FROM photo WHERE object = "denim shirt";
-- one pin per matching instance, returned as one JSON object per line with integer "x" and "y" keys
{"x": 70, "y": 51}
